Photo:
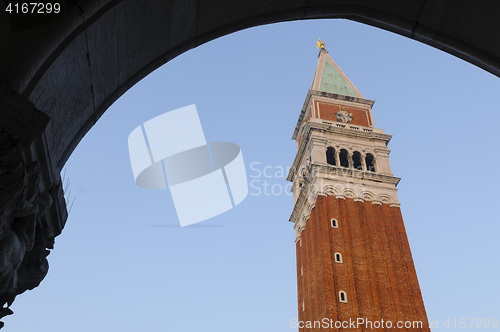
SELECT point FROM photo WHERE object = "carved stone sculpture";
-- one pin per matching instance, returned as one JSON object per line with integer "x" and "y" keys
{"x": 343, "y": 116}
{"x": 32, "y": 208}
{"x": 24, "y": 235}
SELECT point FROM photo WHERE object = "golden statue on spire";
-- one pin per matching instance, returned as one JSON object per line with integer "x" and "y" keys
{"x": 320, "y": 44}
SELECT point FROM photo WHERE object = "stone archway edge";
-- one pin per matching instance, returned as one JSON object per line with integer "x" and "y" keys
{"x": 111, "y": 45}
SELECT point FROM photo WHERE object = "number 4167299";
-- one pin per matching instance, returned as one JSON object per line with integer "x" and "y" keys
{"x": 471, "y": 323}
{"x": 33, "y": 8}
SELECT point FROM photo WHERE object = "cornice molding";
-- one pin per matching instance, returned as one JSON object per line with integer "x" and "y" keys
{"x": 343, "y": 183}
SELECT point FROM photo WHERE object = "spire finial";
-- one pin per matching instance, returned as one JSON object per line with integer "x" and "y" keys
{"x": 320, "y": 44}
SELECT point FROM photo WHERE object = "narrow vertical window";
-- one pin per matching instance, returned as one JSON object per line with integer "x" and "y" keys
{"x": 302, "y": 270}
{"x": 334, "y": 223}
{"x": 330, "y": 156}
{"x": 303, "y": 306}
{"x": 370, "y": 162}
{"x": 343, "y": 296}
{"x": 356, "y": 160}
{"x": 344, "y": 158}
{"x": 338, "y": 257}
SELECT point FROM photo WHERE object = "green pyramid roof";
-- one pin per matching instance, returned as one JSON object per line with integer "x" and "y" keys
{"x": 330, "y": 78}
{"x": 333, "y": 82}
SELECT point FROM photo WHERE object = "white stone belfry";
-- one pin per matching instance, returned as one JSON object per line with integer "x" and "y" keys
{"x": 340, "y": 152}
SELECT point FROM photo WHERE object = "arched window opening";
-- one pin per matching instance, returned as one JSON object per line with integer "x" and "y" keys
{"x": 343, "y": 296}
{"x": 334, "y": 223}
{"x": 338, "y": 257}
{"x": 356, "y": 160}
{"x": 344, "y": 161}
{"x": 330, "y": 156}
{"x": 370, "y": 162}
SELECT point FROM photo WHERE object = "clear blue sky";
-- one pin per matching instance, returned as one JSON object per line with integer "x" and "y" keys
{"x": 122, "y": 265}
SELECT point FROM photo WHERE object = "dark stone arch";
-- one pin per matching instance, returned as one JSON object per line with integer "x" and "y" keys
{"x": 114, "y": 44}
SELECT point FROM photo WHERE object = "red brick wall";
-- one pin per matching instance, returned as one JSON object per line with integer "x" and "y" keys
{"x": 328, "y": 111}
{"x": 377, "y": 272}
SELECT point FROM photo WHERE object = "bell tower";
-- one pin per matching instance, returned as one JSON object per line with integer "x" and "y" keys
{"x": 355, "y": 271}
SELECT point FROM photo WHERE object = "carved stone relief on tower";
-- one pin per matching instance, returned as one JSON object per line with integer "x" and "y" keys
{"x": 344, "y": 116}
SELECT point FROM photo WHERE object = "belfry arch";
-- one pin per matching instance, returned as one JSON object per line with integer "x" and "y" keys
{"x": 47, "y": 110}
